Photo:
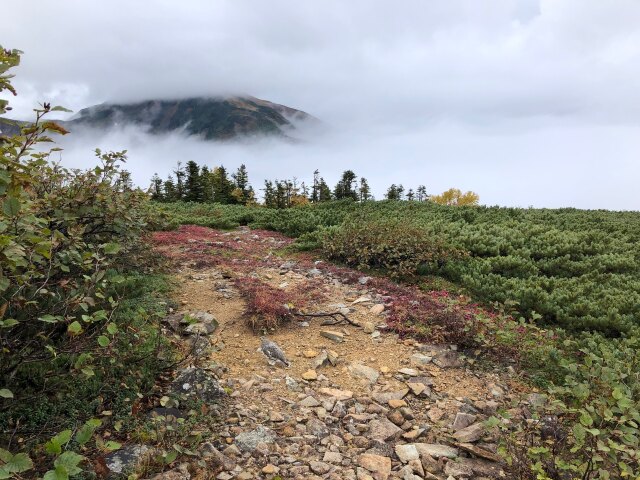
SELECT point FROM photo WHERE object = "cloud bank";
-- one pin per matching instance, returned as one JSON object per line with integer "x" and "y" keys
{"x": 526, "y": 102}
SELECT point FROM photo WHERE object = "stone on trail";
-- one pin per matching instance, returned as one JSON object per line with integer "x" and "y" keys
{"x": 448, "y": 359}
{"x": 198, "y": 383}
{"x": 419, "y": 359}
{"x": 377, "y": 309}
{"x": 383, "y": 430}
{"x": 369, "y": 327}
{"x": 333, "y": 335}
{"x": 335, "y": 393}
{"x": 407, "y": 452}
{"x": 127, "y": 458}
{"x": 384, "y": 397}
{"x": 379, "y": 466}
{"x": 470, "y": 434}
{"x": 310, "y": 375}
{"x": 249, "y": 441}
{"x": 436, "y": 450}
{"x": 479, "y": 452}
{"x": 362, "y": 371}
{"x": 463, "y": 420}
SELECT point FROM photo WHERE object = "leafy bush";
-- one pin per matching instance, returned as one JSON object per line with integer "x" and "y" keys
{"x": 392, "y": 245}
{"x": 590, "y": 430}
{"x": 77, "y": 329}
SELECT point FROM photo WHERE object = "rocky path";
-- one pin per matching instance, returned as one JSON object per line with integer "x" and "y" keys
{"x": 356, "y": 402}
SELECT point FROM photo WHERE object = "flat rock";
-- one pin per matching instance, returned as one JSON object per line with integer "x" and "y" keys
{"x": 198, "y": 383}
{"x": 448, "y": 359}
{"x": 179, "y": 473}
{"x": 420, "y": 359}
{"x": 340, "y": 395}
{"x": 332, "y": 335}
{"x": 436, "y": 450}
{"x": 368, "y": 327}
{"x": 383, "y": 430}
{"x": 376, "y": 309}
{"x": 126, "y": 459}
{"x": 317, "y": 428}
{"x": 479, "y": 452}
{"x": 310, "y": 375}
{"x": 410, "y": 372}
{"x": 407, "y": 452}
{"x": 248, "y": 441}
{"x": 384, "y": 397}
{"x": 309, "y": 402}
{"x": 463, "y": 420}
{"x": 362, "y": 371}
{"x": 379, "y": 466}
{"x": 470, "y": 434}
{"x": 395, "y": 403}
{"x": 417, "y": 388}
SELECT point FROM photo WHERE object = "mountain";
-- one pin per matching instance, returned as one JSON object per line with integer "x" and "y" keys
{"x": 218, "y": 118}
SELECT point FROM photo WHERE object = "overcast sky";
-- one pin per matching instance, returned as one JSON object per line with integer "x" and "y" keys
{"x": 525, "y": 102}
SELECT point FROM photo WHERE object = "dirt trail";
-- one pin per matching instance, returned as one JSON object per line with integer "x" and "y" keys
{"x": 386, "y": 407}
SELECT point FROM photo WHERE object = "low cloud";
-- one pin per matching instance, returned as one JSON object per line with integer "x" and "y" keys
{"x": 529, "y": 102}
{"x": 555, "y": 166}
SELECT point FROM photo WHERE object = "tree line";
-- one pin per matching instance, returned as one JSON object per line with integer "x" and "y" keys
{"x": 195, "y": 183}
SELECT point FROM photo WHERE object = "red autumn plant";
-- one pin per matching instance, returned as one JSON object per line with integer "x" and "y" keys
{"x": 267, "y": 306}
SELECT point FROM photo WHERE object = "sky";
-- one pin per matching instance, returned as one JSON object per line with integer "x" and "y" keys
{"x": 526, "y": 102}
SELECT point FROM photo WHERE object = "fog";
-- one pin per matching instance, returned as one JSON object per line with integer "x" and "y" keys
{"x": 556, "y": 166}
{"x": 526, "y": 102}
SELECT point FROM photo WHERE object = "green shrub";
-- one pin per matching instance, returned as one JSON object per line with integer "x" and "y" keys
{"x": 591, "y": 428}
{"x": 392, "y": 245}
{"x": 78, "y": 333}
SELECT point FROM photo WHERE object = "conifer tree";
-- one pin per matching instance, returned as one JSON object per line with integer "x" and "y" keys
{"x": 193, "y": 188}
{"x": 315, "y": 190}
{"x": 394, "y": 192}
{"x": 170, "y": 190}
{"x": 207, "y": 187}
{"x": 324, "y": 192}
{"x": 346, "y": 187}
{"x": 364, "y": 191}
{"x": 156, "y": 188}
{"x": 421, "y": 193}
{"x": 410, "y": 195}
{"x": 179, "y": 173}
{"x": 222, "y": 186}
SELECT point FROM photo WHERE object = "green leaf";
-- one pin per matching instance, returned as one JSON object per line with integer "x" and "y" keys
{"x": 111, "y": 445}
{"x": 75, "y": 328}
{"x": 585, "y": 419}
{"x": 86, "y": 431}
{"x": 6, "y": 393}
{"x": 70, "y": 461}
{"x": 103, "y": 341}
{"x": 5, "y": 455}
{"x": 54, "y": 446}
{"x": 11, "y": 207}
{"x": 58, "y": 108}
{"x": 112, "y": 328}
{"x": 60, "y": 473}
{"x": 49, "y": 318}
{"x": 617, "y": 393}
{"x": 111, "y": 248}
{"x": 20, "y": 462}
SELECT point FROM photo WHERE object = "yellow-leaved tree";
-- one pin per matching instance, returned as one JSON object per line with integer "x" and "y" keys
{"x": 454, "y": 196}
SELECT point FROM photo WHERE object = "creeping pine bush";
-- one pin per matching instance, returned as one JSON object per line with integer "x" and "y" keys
{"x": 395, "y": 246}
{"x": 591, "y": 428}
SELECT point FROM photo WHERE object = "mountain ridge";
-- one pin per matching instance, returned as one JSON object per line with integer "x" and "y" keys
{"x": 211, "y": 118}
